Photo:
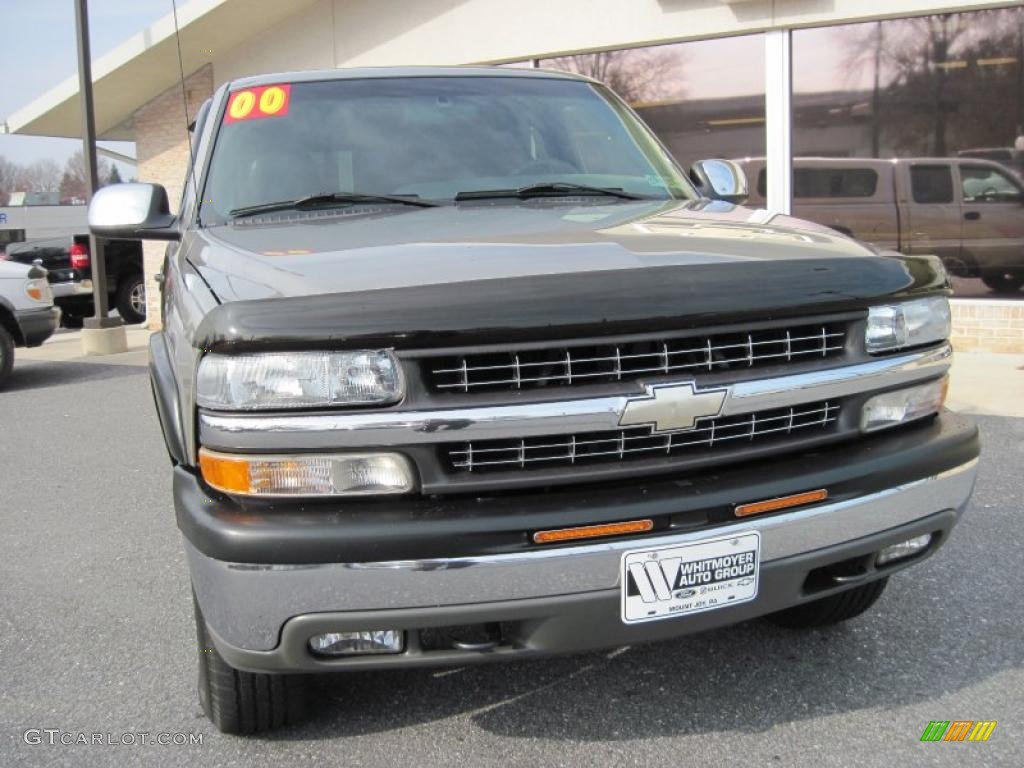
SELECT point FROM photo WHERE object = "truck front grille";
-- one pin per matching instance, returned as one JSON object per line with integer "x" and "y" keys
{"x": 578, "y": 364}
{"x": 638, "y": 442}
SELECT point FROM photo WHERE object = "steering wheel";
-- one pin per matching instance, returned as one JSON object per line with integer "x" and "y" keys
{"x": 547, "y": 165}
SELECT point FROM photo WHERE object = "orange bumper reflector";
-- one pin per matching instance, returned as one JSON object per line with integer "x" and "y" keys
{"x": 592, "y": 531}
{"x": 783, "y": 502}
{"x": 229, "y": 474}
{"x": 35, "y": 293}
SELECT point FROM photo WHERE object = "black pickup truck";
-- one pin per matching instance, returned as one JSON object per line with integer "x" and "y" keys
{"x": 69, "y": 264}
{"x": 459, "y": 366}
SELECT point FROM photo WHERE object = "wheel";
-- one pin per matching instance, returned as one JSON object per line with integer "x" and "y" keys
{"x": 131, "y": 299}
{"x": 832, "y": 609}
{"x": 244, "y": 702}
{"x": 957, "y": 266}
{"x": 6, "y": 355}
{"x": 1003, "y": 281}
{"x": 71, "y": 320}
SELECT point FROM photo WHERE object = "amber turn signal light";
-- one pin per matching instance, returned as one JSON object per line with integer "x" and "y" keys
{"x": 592, "y": 531}
{"x": 783, "y": 502}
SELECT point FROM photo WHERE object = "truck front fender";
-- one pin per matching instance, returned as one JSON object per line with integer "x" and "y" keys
{"x": 165, "y": 396}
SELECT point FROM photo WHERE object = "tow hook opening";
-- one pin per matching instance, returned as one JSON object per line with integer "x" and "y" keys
{"x": 837, "y": 574}
{"x": 469, "y": 637}
{"x": 857, "y": 568}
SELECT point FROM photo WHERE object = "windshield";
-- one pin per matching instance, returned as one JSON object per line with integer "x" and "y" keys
{"x": 430, "y": 137}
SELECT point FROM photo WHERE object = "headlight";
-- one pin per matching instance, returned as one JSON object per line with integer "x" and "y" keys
{"x": 298, "y": 380}
{"x": 351, "y": 474}
{"x": 908, "y": 324}
{"x": 39, "y": 290}
{"x": 903, "y": 405}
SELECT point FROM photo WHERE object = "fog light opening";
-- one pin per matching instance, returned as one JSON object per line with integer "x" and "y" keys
{"x": 904, "y": 549}
{"x": 362, "y": 642}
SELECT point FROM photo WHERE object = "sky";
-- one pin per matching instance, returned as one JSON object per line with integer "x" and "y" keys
{"x": 43, "y": 53}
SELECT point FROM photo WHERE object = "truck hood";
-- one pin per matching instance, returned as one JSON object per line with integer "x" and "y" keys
{"x": 404, "y": 276}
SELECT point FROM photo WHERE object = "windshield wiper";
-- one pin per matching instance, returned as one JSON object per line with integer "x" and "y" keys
{"x": 547, "y": 189}
{"x": 326, "y": 198}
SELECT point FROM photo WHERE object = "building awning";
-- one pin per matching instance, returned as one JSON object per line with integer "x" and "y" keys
{"x": 146, "y": 64}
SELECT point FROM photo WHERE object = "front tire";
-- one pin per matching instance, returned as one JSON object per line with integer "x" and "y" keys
{"x": 6, "y": 355}
{"x": 244, "y": 702}
{"x": 832, "y": 609}
{"x": 1003, "y": 280}
{"x": 131, "y": 299}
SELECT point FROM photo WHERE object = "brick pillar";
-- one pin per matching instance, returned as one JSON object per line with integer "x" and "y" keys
{"x": 161, "y": 145}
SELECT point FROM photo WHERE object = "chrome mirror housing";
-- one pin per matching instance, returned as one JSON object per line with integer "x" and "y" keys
{"x": 720, "y": 180}
{"x": 132, "y": 212}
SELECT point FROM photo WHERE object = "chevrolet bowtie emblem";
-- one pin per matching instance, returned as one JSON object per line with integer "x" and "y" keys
{"x": 672, "y": 407}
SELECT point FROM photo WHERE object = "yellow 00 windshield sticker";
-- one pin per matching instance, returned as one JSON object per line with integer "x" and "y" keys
{"x": 255, "y": 103}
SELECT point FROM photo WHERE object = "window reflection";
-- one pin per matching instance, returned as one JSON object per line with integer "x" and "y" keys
{"x": 702, "y": 99}
{"x": 941, "y": 95}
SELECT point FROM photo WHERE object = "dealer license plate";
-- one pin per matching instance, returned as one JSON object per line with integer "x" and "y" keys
{"x": 690, "y": 578}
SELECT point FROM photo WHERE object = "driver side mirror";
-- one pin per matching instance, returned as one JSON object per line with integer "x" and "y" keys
{"x": 132, "y": 212}
{"x": 720, "y": 180}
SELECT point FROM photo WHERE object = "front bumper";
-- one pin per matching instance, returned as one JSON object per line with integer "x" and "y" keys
{"x": 71, "y": 289}
{"x": 266, "y": 600}
{"x": 569, "y": 623}
{"x": 37, "y": 325}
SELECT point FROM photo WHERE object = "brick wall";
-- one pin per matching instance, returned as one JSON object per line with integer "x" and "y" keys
{"x": 988, "y": 325}
{"x": 161, "y": 145}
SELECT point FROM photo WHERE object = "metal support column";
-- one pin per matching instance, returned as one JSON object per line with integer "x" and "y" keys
{"x": 778, "y": 90}
{"x": 99, "y": 270}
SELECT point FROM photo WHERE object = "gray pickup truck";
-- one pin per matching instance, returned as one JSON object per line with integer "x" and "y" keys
{"x": 968, "y": 211}
{"x": 459, "y": 366}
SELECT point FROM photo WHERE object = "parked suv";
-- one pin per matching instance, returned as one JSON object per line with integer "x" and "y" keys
{"x": 27, "y": 315}
{"x": 969, "y": 212}
{"x": 69, "y": 264}
{"x": 458, "y": 366}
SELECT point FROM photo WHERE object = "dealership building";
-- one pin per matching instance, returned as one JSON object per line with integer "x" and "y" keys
{"x": 713, "y": 78}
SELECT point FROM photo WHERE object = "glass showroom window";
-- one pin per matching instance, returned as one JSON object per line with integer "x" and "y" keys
{"x": 942, "y": 94}
{"x": 703, "y": 99}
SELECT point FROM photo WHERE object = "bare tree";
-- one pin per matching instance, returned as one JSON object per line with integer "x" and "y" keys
{"x": 8, "y": 177}
{"x": 930, "y": 96}
{"x": 74, "y": 184}
{"x": 42, "y": 176}
{"x": 637, "y": 75}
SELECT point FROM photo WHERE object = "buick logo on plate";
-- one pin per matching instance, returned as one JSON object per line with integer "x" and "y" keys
{"x": 672, "y": 407}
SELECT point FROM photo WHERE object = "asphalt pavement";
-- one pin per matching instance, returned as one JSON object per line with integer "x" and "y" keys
{"x": 96, "y": 637}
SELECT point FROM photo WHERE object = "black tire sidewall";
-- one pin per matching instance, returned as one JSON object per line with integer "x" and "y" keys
{"x": 6, "y": 355}
{"x": 124, "y": 302}
{"x": 1003, "y": 281}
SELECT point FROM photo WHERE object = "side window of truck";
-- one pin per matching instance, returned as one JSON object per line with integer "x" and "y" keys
{"x": 931, "y": 183}
{"x": 834, "y": 182}
{"x": 983, "y": 184}
{"x": 828, "y": 182}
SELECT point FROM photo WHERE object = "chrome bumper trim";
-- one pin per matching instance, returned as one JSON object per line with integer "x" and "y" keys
{"x": 246, "y": 604}
{"x": 71, "y": 288}
{"x": 261, "y": 432}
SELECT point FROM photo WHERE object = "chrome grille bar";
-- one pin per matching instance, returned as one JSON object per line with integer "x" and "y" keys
{"x": 555, "y": 450}
{"x": 348, "y": 429}
{"x": 577, "y": 364}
